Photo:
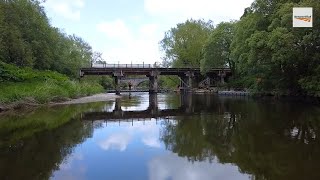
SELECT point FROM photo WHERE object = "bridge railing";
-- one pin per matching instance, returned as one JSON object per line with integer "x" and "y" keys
{"x": 125, "y": 66}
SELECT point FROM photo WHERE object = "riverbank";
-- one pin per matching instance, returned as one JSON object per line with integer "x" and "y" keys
{"x": 31, "y": 103}
{"x": 25, "y": 87}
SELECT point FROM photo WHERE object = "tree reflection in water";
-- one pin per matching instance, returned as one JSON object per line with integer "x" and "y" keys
{"x": 271, "y": 140}
{"x": 34, "y": 145}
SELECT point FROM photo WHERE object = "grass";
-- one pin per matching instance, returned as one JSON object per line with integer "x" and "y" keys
{"x": 26, "y": 84}
{"x": 46, "y": 91}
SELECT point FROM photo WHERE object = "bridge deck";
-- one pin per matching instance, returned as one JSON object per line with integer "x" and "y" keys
{"x": 145, "y": 70}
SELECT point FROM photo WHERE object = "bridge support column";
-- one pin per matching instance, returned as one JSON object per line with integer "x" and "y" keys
{"x": 186, "y": 82}
{"x": 117, "y": 85}
{"x": 116, "y": 77}
{"x": 222, "y": 76}
{"x": 153, "y": 82}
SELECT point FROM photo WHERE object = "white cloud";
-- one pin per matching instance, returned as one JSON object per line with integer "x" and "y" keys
{"x": 177, "y": 168}
{"x": 115, "y": 30}
{"x": 136, "y": 41}
{"x": 70, "y": 9}
{"x": 216, "y": 10}
{"x": 126, "y": 45}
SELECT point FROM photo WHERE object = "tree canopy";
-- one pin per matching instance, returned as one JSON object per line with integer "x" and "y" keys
{"x": 265, "y": 52}
{"x": 217, "y": 47}
{"x": 28, "y": 40}
{"x": 183, "y": 44}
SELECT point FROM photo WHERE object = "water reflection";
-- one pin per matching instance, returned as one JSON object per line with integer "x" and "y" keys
{"x": 174, "y": 167}
{"x": 164, "y": 137}
{"x": 152, "y": 111}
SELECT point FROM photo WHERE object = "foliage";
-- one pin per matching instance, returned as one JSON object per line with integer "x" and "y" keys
{"x": 263, "y": 50}
{"x": 169, "y": 82}
{"x": 106, "y": 82}
{"x": 18, "y": 84}
{"x": 278, "y": 57}
{"x": 28, "y": 40}
{"x": 183, "y": 44}
{"x": 217, "y": 47}
{"x": 44, "y": 138}
{"x": 46, "y": 91}
{"x": 12, "y": 73}
{"x": 18, "y": 126}
{"x": 248, "y": 134}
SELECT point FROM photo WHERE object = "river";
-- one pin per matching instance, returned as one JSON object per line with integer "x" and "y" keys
{"x": 161, "y": 137}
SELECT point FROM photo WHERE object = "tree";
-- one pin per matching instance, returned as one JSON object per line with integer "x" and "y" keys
{"x": 271, "y": 55}
{"x": 217, "y": 48}
{"x": 96, "y": 57}
{"x": 28, "y": 39}
{"x": 183, "y": 44}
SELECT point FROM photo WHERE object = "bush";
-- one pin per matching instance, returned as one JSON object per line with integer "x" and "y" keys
{"x": 11, "y": 73}
{"x": 40, "y": 86}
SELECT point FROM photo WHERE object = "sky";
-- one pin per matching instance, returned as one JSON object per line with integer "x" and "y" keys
{"x": 127, "y": 31}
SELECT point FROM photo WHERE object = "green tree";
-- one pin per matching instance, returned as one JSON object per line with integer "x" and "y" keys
{"x": 217, "y": 47}
{"x": 271, "y": 55}
{"x": 28, "y": 39}
{"x": 183, "y": 44}
{"x": 79, "y": 56}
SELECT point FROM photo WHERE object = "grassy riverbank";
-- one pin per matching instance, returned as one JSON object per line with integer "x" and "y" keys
{"x": 25, "y": 85}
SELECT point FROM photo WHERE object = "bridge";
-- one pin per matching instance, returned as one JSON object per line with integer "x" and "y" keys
{"x": 187, "y": 75}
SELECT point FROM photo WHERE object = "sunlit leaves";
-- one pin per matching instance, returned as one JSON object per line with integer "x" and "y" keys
{"x": 217, "y": 47}
{"x": 183, "y": 44}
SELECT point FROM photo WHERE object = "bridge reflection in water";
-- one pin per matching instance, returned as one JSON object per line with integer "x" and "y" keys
{"x": 153, "y": 111}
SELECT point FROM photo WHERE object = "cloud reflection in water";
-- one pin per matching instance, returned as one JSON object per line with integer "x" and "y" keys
{"x": 147, "y": 133}
{"x": 172, "y": 167}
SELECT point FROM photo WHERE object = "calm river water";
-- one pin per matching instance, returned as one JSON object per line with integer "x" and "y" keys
{"x": 163, "y": 137}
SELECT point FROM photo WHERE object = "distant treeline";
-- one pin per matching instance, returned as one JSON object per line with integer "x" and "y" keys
{"x": 264, "y": 51}
{"x": 28, "y": 40}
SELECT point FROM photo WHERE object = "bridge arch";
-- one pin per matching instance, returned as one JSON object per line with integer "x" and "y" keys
{"x": 134, "y": 82}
